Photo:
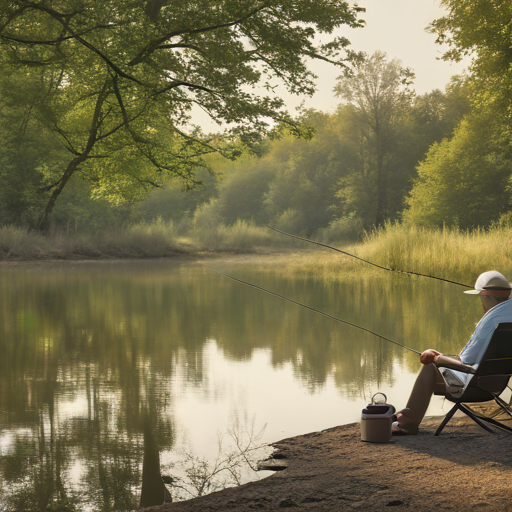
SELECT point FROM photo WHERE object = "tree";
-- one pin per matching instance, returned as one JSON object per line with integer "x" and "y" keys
{"x": 117, "y": 80}
{"x": 463, "y": 180}
{"x": 301, "y": 196}
{"x": 435, "y": 115}
{"x": 378, "y": 92}
{"x": 481, "y": 29}
{"x": 24, "y": 149}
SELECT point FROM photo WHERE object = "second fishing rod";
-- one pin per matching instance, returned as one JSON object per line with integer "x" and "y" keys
{"x": 332, "y": 317}
{"x": 407, "y": 272}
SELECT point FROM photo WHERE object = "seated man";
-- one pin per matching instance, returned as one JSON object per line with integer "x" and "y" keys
{"x": 494, "y": 291}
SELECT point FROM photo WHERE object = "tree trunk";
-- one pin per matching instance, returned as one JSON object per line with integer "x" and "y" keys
{"x": 381, "y": 192}
{"x": 381, "y": 181}
{"x": 42, "y": 224}
{"x": 154, "y": 491}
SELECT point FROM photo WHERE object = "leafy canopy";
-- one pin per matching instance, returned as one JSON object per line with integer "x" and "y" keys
{"x": 118, "y": 80}
{"x": 464, "y": 180}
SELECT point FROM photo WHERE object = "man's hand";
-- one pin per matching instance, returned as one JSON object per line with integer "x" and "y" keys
{"x": 428, "y": 356}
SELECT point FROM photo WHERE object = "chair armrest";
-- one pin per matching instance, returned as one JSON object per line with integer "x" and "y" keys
{"x": 453, "y": 364}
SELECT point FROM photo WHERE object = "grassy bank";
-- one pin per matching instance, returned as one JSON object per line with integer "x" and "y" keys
{"x": 449, "y": 253}
{"x": 446, "y": 251}
{"x": 144, "y": 240}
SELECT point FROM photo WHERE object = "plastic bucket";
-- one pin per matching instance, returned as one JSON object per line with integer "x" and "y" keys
{"x": 376, "y": 421}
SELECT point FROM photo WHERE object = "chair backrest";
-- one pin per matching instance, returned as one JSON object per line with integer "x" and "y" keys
{"x": 498, "y": 356}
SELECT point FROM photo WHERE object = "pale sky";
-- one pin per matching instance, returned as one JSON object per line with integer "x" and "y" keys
{"x": 396, "y": 27}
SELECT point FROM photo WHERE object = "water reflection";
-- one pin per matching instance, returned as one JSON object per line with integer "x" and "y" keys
{"x": 153, "y": 490}
{"x": 99, "y": 359}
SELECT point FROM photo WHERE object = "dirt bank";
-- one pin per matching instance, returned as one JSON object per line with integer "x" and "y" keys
{"x": 463, "y": 469}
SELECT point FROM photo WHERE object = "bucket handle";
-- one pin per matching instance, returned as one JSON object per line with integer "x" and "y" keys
{"x": 379, "y": 393}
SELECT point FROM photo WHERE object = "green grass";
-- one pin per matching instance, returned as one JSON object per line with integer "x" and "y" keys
{"x": 448, "y": 253}
{"x": 143, "y": 240}
{"x": 445, "y": 251}
{"x": 241, "y": 236}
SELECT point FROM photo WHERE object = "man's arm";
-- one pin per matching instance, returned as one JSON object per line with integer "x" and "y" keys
{"x": 433, "y": 356}
{"x": 453, "y": 364}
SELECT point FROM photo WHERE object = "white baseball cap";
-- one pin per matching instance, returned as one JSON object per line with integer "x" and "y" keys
{"x": 491, "y": 283}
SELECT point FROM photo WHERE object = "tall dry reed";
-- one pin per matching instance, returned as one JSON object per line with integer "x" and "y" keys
{"x": 444, "y": 252}
{"x": 449, "y": 253}
{"x": 143, "y": 240}
{"x": 242, "y": 236}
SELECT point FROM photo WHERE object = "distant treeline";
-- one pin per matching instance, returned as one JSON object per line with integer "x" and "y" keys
{"x": 385, "y": 155}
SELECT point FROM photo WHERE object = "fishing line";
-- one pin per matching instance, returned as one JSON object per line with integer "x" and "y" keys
{"x": 310, "y": 308}
{"x": 366, "y": 261}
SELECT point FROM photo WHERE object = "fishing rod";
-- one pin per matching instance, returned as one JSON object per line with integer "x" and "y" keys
{"x": 366, "y": 261}
{"x": 310, "y": 308}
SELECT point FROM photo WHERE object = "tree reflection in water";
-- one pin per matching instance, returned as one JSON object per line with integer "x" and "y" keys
{"x": 90, "y": 354}
{"x": 153, "y": 489}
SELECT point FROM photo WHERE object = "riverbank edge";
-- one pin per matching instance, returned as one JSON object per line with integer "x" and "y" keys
{"x": 171, "y": 255}
{"x": 462, "y": 469}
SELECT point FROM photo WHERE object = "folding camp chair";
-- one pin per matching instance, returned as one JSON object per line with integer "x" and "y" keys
{"x": 488, "y": 382}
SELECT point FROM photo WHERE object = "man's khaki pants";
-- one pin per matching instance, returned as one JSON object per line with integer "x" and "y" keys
{"x": 429, "y": 380}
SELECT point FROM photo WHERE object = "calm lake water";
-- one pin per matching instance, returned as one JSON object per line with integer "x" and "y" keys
{"x": 104, "y": 363}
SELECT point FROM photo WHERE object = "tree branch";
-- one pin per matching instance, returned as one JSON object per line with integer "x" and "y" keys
{"x": 151, "y": 47}
{"x": 186, "y": 46}
{"x": 126, "y": 120}
{"x": 68, "y": 144}
{"x": 49, "y": 187}
{"x": 64, "y": 19}
{"x": 180, "y": 83}
{"x": 52, "y": 42}
{"x": 118, "y": 70}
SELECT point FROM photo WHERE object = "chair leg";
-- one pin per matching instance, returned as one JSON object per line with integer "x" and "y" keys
{"x": 447, "y": 418}
{"x": 503, "y": 405}
{"x": 477, "y": 419}
{"x": 494, "y": 422}
{"x": 497, "y": 424}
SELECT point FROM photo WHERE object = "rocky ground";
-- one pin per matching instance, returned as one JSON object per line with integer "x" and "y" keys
{"x": 465, "y": 468}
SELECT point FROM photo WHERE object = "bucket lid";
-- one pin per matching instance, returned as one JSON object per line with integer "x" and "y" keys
{"x": 378, "y": 409}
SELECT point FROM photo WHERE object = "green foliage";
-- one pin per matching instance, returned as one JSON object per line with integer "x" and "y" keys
{"x": 79, "y": 211}
{"x": 173, "y": 202}
{"x": 326, "y": 185}
{"x": 463, "y": 180}
{"x": 378, "y": 92}
{"x": 116, "y": 81}
{"x": 241, "y": 193}
{"x": 25, "y": 150}
{"x": 301, "y": 197}
{"x": 349, "y": 228}
{"x": 483, "y": 30}
{"x": 435, "y": 115}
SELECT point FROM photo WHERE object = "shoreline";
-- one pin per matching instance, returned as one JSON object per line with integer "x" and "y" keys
{"x": 448, "y": 253}
{"x": 465, "y": 468}
{"x": 171, "y": 256}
